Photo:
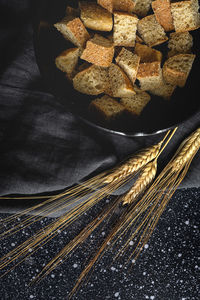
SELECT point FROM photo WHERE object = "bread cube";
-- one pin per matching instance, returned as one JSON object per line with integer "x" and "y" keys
{"x": 73, "y": 30}
{"x": 135, "y": 104}
{"x": 142, "y": 7}
{"x": 67, "y": 61}
{"x": 99, "y": 51}
{"x": 107, "y": 108}
{"x": 95, "y": 17}
{"x": 120, "y": 5}
{"x": 125, "y": 27}
{"x": 180, "y": 42}
{"x": 91, "y": 81}
{"x": 151, "y": 79}
{"x": 147, "y": 54}
{"x": 177, "y": 68}
{"x": 129, "y": 63}
{"x": 185, "y": 15}
{"x": 107, "y": 4}
{"x": 120, "y": 83}
{"x": 124, "y": 5}
{"x": 162, "y": 11}
{"x": 151, "y": 31}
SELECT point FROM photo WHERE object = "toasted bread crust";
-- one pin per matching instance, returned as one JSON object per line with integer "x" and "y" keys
{"x": 124, "y": 5}
{"x": 73, "y": 30}
{"x": 99, "y": 51}
{"x": 162, "y": 11}
{"x": 175, "y": 74}
{"x": 107, "y": 4}
{"x": 95, "y": 17}
{"x": 147, "y": 54}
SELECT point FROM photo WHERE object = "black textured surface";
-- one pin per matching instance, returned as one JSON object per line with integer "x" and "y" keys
{"x": 168, "y": 268}
{"x": 43, "y": 146}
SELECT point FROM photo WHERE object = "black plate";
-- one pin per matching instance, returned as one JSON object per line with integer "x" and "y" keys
{"x": 159, "y": 115}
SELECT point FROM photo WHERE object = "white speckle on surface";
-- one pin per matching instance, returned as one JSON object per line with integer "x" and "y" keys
{"x": 112, "y": 268}
{"x": 144, "y": 273}
{"x": 52, "y": 276}
{"x": 133, "y": 261}
{"x": 180, "y": 254}
{"x": 146, "y": 246}
{"x": 13, "y": 244}
{"x": 131, "y": 243}
{"x": 103, "y": 233}
{"x": 75, "y": 265}
{"x": 152, "y": 297}
{"x": 187, "y": 222}
{"x": 117, "y": 294}
{"x": 31, "y": 297}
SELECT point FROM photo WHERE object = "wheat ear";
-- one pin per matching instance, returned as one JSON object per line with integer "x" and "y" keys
{"x": 186, "y": 150}
{"x": 147, "y": 175}
{"x": 135, "y": 163}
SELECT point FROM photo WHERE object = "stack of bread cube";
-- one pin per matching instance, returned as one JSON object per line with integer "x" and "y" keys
{"x": 114, "y": 55}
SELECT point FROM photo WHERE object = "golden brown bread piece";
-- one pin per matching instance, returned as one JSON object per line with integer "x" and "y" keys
{"x": 73, "y": 30}
{"x": 129, "y": 63}
{"x": 151, "y": 79}
{"x": 177, "y": 68}
{"x": 125, "y": 27}
{"x": 107, "y": 4}
{"x": 124, "y": 5}
{"x": 95, "y": 17}
{"x": 99, "y": 51}
{"x": 185, "y": 15}
{"x": 106, "y": 108}
{"x": 180, "y": 43}
{"x": 91, "y": 81}
{"x": 162, "y": 11}
{"x": 142, "y": 7}
{"x": 135, "y": 104}
{"x": 120, "y": 83}
{"x": 147, "y": 54}
{"x": 67, "y": 61}
{"x": 151, "y": 31}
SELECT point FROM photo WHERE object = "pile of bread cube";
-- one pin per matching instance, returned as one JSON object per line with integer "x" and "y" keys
{"x": 114, "y": 55}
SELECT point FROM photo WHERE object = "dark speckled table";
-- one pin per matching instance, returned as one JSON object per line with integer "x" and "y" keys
{"x": 168, "y": 268}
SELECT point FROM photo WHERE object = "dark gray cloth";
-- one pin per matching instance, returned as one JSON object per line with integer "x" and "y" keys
{"x": 43, "y": 147}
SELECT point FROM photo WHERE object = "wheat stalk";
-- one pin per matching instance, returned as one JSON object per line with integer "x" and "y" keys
{"x": 114, "y": 178}
{"x": 76, "y": 196}
{"x": 147, "y": 175}
{"x": 186, "y": 150}
{"x": 138, "y": 221}
{"x": 135, "y": 163}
